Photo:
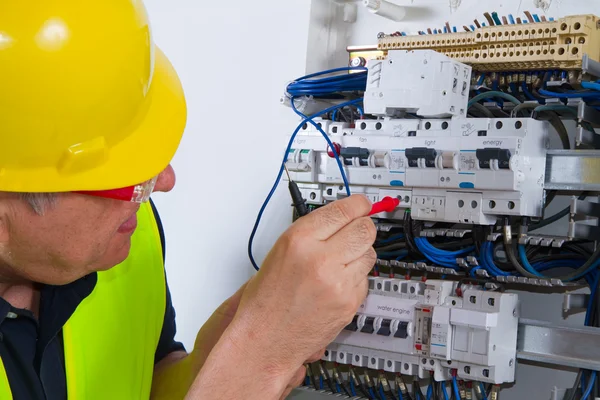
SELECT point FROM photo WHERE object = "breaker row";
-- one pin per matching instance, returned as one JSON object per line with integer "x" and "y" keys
{"x": 419, "y": 328}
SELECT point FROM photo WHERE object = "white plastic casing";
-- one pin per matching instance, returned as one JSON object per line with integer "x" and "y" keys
{"x": 386, "y": 9}
{"x": 456, "y": 189}
{"x": 423, "y": 82}
{"x": 476, "y": 334}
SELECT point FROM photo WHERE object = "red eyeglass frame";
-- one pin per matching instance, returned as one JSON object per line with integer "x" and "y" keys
{"x": 136, "y": 194}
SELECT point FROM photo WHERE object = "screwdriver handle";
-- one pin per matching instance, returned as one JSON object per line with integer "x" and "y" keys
{"x": 298, "y": 201}
{"x": 388, "y": 204}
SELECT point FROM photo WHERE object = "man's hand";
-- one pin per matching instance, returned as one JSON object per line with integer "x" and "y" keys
{"x": 308, "y": 289}
{"x": 312, "y": 282}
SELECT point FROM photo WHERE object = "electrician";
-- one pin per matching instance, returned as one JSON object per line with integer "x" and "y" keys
{"x": 91, "y": 114}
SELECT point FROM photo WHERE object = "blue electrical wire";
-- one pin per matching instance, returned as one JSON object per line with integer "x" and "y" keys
{"x": 393, "y": 254}
{"x": 496, "y": 18}
{"x": 329, "y": 143}
{"x": 441, "y": 257}
{"x": 430, "y": 391}
{"x": 391, "y": 239}
{"x": 488, "y": 260}
{"x": 444, "y": 391}
{"x": 482, "y": 388}
{"x": 329, "y": 86}
{"x": 321, "y": 383}
{"x": 400, "y": 396}
{"x": 352, "y": 387}
{"x": 526, "y": 264}
{"x": 455, "y": 387}
{"x": 593, "y": 288}
{"x": 573, "y": 264}
{"x": 382, "y": 393}
{"x": 571, "y": 95}
{"x": 530, "y": 95}
{"x": 591, "y": 86}
{"x": 282, "y": 169}
{"x": 588, "y": 391}
{"x": 372, "y": 394}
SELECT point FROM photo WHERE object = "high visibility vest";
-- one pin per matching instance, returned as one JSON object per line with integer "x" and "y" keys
{"x": 111, "y": 339}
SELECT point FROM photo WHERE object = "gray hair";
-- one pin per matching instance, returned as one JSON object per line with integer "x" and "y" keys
{"x": 40, "y": 202}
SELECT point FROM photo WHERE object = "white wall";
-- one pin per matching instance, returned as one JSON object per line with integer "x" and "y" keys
{"x": 234, "y": 58}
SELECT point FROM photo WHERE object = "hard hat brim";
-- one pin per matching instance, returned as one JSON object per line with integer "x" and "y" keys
{"x": 145, "y": 152}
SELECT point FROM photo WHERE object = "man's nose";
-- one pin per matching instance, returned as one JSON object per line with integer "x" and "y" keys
{"x": 166, "y": 180}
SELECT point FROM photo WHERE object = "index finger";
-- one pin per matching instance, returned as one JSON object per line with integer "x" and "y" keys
{"x": 329, "y": 220}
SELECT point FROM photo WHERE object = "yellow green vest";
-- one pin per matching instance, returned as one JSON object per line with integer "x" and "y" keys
{"x": 111, "y": 339}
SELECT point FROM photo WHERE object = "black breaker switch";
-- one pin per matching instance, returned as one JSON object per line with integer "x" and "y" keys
{"x": 402, "y": 332}
{"x": 353, "y": 326}
{"x": 385, "y": 329}
{"x": 485, "y": 157}
{"x": 368, "y": 327}
{"x": 349, "y": 153}
{"x": 413, "y": 155}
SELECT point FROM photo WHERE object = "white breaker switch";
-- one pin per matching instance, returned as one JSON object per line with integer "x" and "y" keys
{"x": 414, "y": 328}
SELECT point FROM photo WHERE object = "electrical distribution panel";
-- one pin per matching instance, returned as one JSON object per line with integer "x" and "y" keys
{"x": 453, "y": 170}
{"x": 458, "y": 127}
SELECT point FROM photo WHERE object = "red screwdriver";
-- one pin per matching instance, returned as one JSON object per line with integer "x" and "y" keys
{"x": 388, "y": 204}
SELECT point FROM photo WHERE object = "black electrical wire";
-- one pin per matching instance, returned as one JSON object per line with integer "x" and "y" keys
{"x": 483, "y": 109}
{"x": 554, "y": 120}
{"x": 575, "y": 387}
{"x": 577, "y": 248}
{"x": 408, "y": 233}
{"x": 556, "y": 217}
{"x": 392, "y": 247}
{"x": 550, "y": 220}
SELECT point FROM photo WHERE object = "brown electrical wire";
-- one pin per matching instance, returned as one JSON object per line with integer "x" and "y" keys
{"x": 530, "y": 17}
{"x": 489, "y": 19}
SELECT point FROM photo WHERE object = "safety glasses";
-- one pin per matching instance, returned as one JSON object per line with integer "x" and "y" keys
{"x": 135, "y": 194}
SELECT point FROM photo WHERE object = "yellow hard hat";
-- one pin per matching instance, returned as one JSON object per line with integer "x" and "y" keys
{"x": 87, "y": 101}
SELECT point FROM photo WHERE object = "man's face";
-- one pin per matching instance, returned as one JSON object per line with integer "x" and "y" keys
{"x": 78, "y": 236}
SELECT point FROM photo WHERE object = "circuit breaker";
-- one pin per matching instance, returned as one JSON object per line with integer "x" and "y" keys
{"x": 414, "y": 328}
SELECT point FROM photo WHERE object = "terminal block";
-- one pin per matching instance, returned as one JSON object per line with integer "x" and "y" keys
{"x": 415, "y": 328}
{"x": 547, "y": 45}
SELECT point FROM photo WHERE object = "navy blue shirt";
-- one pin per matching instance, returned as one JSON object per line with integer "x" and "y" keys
{"x": 32, "y": 349}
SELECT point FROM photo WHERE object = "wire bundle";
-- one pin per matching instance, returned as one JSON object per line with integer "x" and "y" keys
{"x": 443, "y": 258}
{"x": 330, "y": 86}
